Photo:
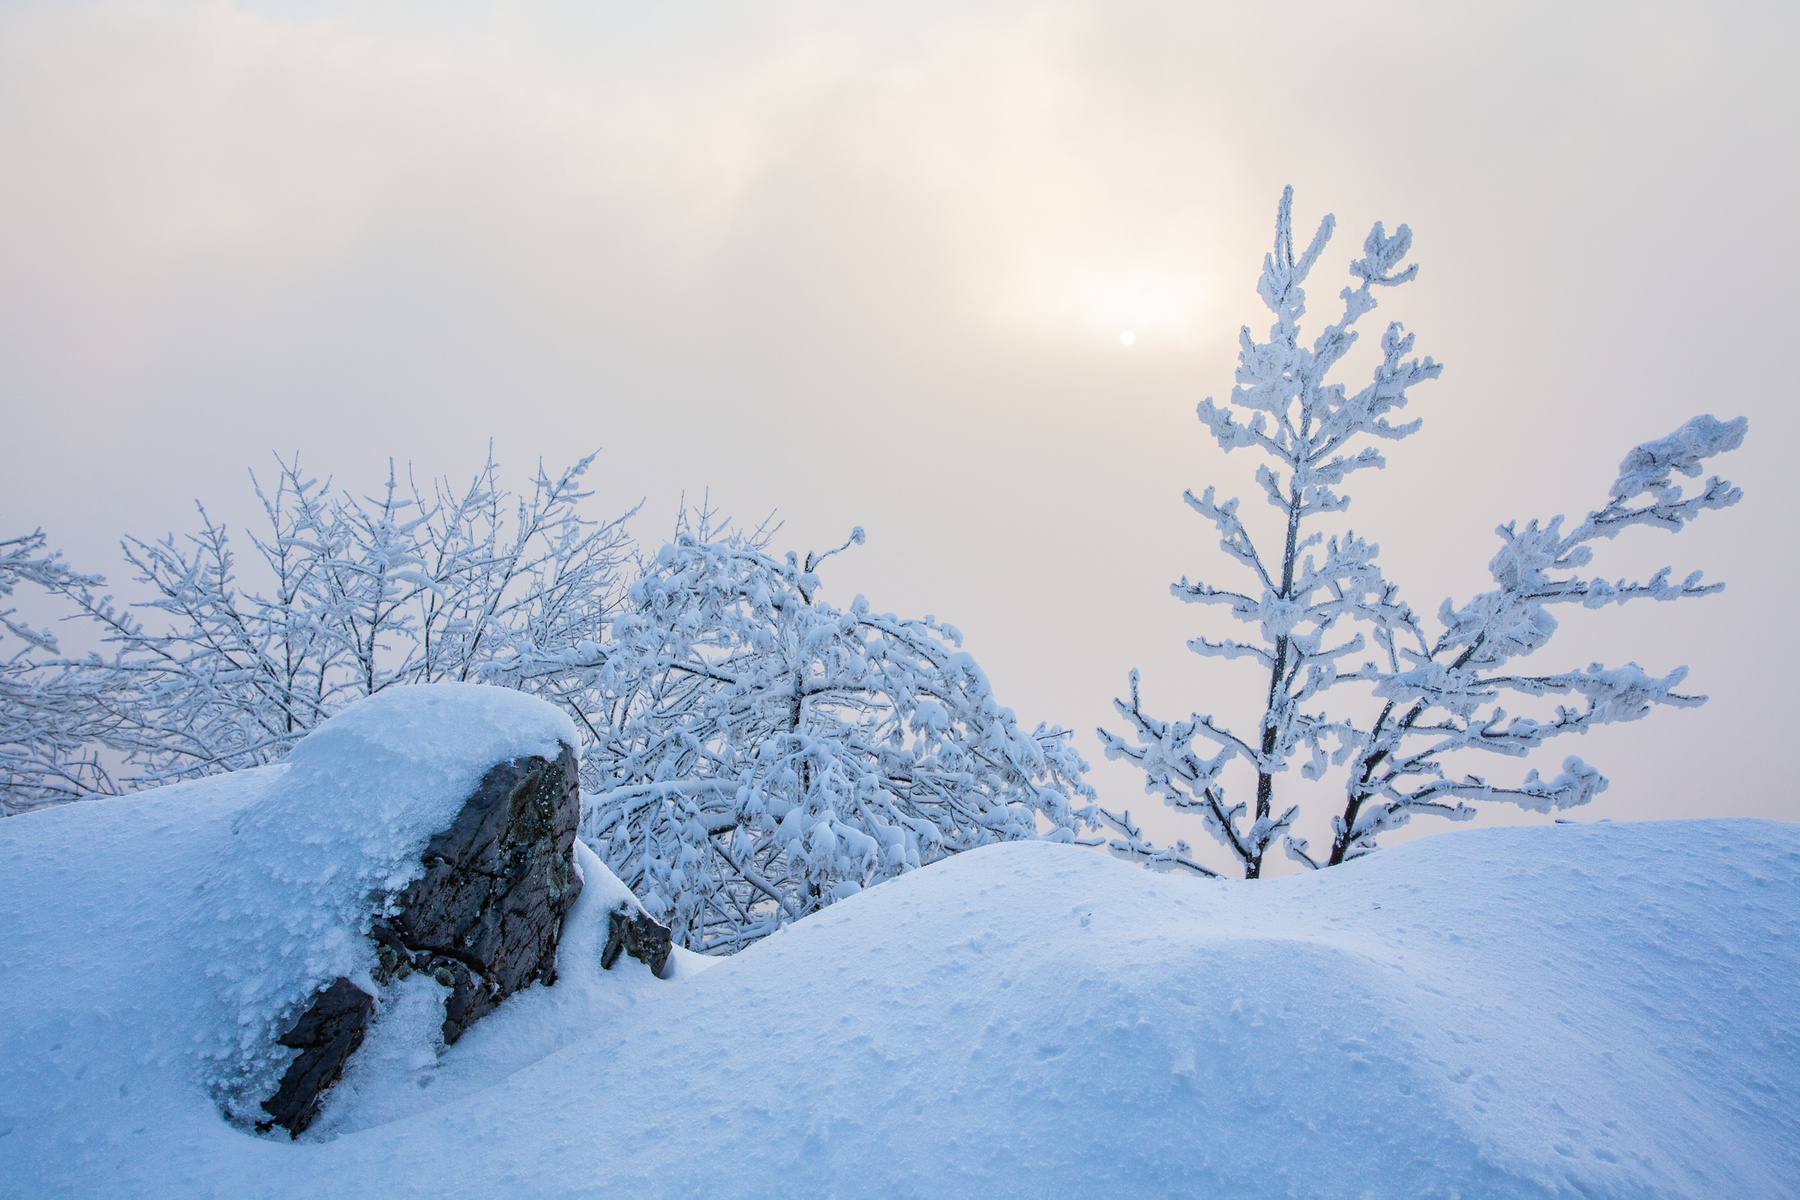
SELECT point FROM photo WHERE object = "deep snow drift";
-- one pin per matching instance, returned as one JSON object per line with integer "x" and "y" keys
{"x": 1581, "y": 1009}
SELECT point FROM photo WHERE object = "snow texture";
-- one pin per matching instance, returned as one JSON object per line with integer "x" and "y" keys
{"x": 1602, "y": 1010}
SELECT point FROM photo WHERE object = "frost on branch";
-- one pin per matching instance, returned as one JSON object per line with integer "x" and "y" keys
{"x": 1323, "y": 615}
{"x": 762, "y": 753}
{"x": 50, "y": 718}
{"x": 345, "y": 596}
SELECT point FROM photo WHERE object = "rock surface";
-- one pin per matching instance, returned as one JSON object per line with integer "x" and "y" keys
{"x": 326, "y": 1035}
{"x": 484, "y": 921}
{"x": 497, "y": 883}
{"x": 635, "y": 932}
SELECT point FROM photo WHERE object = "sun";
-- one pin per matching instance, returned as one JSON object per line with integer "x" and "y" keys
{"x": 1126, "y": 338}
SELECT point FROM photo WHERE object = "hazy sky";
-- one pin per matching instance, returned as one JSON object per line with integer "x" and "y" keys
{"x": 869, "y": 264}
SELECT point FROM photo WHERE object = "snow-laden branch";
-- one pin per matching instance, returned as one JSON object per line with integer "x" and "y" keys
{"x": 761, "y": 753}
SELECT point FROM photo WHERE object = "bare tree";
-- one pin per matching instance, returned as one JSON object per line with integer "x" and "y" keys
{"x": 356, "y": 594}
{"x": 51, "y": 718}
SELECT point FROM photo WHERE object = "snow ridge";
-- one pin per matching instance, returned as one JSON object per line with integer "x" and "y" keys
{"x": 1603, "y": 1010}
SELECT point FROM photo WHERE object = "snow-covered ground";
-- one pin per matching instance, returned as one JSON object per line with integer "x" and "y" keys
{"x": 1597, "y": 1010}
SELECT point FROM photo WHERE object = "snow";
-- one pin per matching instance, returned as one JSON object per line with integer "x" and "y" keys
{"x": 1649, "y": 467}
{"x": 1603, "y": 1009}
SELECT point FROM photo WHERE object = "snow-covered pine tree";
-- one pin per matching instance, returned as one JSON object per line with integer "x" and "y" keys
{"x": 762, "y": 753}
{"x": 51, "y": 717}
{"x": 1320, "y": 600}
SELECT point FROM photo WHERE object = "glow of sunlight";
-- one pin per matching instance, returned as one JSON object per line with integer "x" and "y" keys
{"x": 1137, "y": 303}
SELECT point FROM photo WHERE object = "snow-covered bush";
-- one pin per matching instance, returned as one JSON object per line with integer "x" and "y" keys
{"x": 1320, "y": 602}
{"x": 761, "y": 753}
{"x": 351, "y": 595}
{"x": 50, "y": 715}
{"x": 749, "y": 753}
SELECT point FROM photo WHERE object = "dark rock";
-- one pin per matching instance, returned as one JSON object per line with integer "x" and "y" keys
{"x": 326, "y": 1035}
{"x": 484, "y": 921}
{"x": 637, "y": 933}
{"x": 489, "y": 911}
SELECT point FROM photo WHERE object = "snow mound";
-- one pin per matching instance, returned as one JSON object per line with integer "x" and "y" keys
{"x": 1599, "y": 1010}
{"x": 283, "y": 905}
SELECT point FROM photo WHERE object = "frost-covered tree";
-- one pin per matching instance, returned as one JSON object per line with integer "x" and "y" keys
{"x": 51, "y": 716}
{"x": 348, "y": 595}
{"x": 750, "y": 753}
{"x": 760, "y": 753}
{"x": 1318, "y": 603}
